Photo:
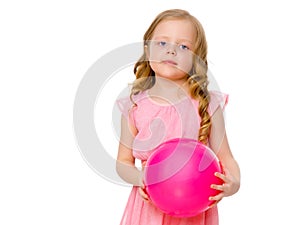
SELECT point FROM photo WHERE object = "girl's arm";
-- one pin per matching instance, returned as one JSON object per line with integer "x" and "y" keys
{"x": 125, "y": 164}
{"x": 219, "y": 144}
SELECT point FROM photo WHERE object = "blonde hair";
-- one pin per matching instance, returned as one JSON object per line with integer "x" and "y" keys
{"x": 197, "y": 79}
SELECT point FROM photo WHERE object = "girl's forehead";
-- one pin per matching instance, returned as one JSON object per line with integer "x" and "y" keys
{"x": 179, "y": 28}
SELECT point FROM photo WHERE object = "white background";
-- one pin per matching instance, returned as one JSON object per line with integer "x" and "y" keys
{"x": 46, "y": 48}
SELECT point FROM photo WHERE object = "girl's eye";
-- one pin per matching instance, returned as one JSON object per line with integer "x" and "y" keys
{"x": 162, "y": 43}
{"x": 184, "y": 47}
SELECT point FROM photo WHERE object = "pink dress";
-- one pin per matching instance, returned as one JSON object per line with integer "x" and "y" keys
{"x": 157, "y": 123}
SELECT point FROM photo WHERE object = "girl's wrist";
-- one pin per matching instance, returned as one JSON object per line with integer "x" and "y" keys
{"x": 141, "y": 178}
{"x": 142, "y": 175}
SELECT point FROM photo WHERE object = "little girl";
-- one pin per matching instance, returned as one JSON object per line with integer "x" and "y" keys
{"x": 169, "y": 99}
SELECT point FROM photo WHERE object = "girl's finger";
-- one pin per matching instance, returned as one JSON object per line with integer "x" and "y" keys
{"x": 214, "y": 204}
{"x": 226, "y": 171}
{"x": 222, "y": 167}
{"x": 217, "y": 187}
{"x": 144, "y": 163}
{"x": 143, "y": 194}
{"x": 217, "y": 197}
{"x": 222, "y": 177}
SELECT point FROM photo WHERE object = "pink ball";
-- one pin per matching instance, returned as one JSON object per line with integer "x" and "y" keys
{"x": 178, "y": 176}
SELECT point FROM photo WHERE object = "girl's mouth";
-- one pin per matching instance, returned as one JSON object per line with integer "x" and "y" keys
{"x": 169, "y": 62}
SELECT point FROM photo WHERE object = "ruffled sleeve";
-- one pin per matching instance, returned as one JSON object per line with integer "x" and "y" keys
{"x": 126, "y": 107}
{"x": 217, "y": 99}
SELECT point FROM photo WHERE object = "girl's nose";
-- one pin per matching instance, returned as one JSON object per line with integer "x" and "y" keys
{"x": 171, "y": 49}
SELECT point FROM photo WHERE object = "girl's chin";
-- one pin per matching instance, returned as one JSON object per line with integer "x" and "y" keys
{"x": 172, "y": 76}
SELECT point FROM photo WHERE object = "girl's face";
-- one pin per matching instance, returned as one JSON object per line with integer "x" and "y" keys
{"x": 170, "y": 51}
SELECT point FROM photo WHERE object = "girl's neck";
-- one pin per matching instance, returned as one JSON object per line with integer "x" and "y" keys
{"x": 168, "y": 91}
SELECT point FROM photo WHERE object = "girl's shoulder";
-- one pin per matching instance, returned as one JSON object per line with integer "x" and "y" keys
{"x": 140, "y": 97}
{"x": 127, "y": 103}
{"x": 217, "y": 99}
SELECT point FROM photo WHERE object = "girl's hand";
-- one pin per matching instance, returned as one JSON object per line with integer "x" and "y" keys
{"x": 143, "y": 192}
{"x": 230, "y": 186}
{"x": 142, "y": 188}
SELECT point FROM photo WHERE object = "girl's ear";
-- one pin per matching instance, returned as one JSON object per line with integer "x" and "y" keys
{"x": 146, "y": 50}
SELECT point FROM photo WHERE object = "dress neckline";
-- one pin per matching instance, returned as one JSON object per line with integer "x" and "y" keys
{"x": 166, "y": 102}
